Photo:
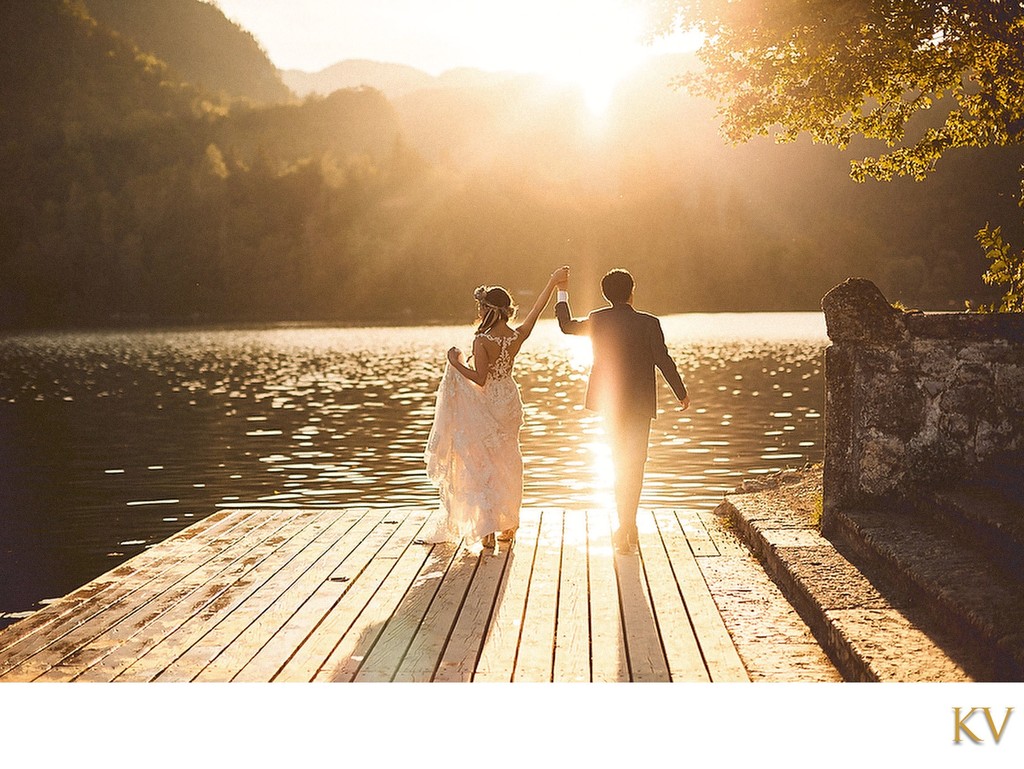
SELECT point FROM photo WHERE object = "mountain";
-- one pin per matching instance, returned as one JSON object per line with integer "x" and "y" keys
{"x": 393, "y": 80}
{"x": 130, "y": 193}
{"x": 390, "y": 79}
{"x": 126, "y": 193}
{"x": 197, "y": 42}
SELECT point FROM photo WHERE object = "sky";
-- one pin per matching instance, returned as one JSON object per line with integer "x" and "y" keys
{"x": 591, "y": 43}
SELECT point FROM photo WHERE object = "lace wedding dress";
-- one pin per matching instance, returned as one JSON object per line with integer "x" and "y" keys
{"x": 473, "y": 455}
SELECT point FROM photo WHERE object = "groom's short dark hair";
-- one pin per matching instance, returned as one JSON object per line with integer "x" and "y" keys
{"x": 617, "y": 286}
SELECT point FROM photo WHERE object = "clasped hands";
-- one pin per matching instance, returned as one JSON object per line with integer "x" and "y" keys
{"x": 560, "y": 278}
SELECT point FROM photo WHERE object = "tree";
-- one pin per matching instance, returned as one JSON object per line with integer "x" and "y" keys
{"x": 870, "y": 69}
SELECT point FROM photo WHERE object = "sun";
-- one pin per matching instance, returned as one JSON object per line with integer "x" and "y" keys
{"x": 600, "y": 46}
{"x": 591, "y": 45}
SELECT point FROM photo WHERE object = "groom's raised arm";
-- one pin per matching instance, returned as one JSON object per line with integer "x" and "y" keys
{"x": 566, "y": 322}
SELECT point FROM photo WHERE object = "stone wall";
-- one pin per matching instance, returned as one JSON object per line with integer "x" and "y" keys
{"x": 915, "y": 399}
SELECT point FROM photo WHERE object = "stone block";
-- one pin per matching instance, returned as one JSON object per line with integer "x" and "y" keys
{"x": 915, "y": 398}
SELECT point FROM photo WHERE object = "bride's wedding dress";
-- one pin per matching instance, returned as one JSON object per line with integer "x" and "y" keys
{"x": 473, "y": 454}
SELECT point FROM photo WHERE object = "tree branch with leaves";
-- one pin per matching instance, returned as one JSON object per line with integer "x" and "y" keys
{"x": 838, "y": 70}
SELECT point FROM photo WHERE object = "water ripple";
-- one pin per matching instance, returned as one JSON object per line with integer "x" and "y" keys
{"x": 111, "y": 441}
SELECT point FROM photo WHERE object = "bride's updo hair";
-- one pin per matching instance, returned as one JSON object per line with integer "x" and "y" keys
{"x": 495, "y": 304}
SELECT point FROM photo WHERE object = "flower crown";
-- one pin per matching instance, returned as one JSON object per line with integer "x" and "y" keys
{"x": 480, "y": 294}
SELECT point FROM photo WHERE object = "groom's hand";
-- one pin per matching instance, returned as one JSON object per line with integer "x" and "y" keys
{"x": 684, "y": 404}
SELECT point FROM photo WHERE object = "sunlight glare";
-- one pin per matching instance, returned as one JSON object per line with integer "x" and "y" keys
{"x": 601, "y": 46}
{"x": 579, "y": 351}
{"x": 601, "y": 467}
{"x": 588, "y": 44}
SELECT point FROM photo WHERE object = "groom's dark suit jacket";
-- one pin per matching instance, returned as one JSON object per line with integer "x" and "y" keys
{"x": 628, "y": 345}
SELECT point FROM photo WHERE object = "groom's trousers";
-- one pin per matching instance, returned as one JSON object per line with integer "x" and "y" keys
{"x": 628, "y": 435}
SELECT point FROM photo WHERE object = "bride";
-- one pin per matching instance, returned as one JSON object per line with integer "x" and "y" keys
{"x": 473, "y": 455}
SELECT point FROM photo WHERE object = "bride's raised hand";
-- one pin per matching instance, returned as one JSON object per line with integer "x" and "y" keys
{"x": 454, "y": 355}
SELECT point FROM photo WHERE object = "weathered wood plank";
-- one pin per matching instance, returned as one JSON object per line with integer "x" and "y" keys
{"x": 362, "y": 541}
{"x": 498, "y": 656}
{"x": 339, "y": 598}
{"x": 720, "y": 654}
{"x": 428, "y": 644}
{"x": 701, "y": 542}
{"x": 180, "y": 640}
{"x": 682, "y": 652}
{"x": 643, "y": 642}
{"x": 608, "y": 646}
{"x": 41, "y": 628}
{"x": 726, "y": 543}
{"x": 128, "y": 640}
{"x": 152, "y": 650}
{"x": 241, "y": 539}
{"x": 109, "y": 587}
{"x": 387, "y": 655}
{"x": 287, "y": 583}
{"x": 348, "y": 655}
{"x": 350, "y": 595}
{"x": 459, "y": 658}
{"x": 309, "y": 601}
{"x": 572, "y": 638}
{"x": 537, "y": 643}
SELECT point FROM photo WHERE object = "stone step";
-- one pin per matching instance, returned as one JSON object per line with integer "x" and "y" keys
{"x": 988, "y": 516}
{"x": 869, "y": 630}
{"x": 1006, "y": 474}
{"x": 940, "y": 571}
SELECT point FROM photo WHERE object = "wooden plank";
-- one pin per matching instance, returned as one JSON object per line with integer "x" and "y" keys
{"x": 384, "y": 660}
{"x": 221, "y": 626}
{"x": 126, "y": 641}
{"x": 720, "y": 655}
{"x": 537, "y": 642}
{"x": 285, "y": 583}
{"x": 41, "y": 628}
{"x": 608, "y": 646}
{"x": 572, "y": 637}
{"x": 311, "y": 598}
{"x": 367, "y": 575}
{"x": 726, "y": 543}
{"x": 347, "y": 595}
{"x": 682, "y": 652}
{"x": 151, "y": 648}
{"x": 189, "y": 633}
{"x": 643, "y": 642}
{"x": 347, "y": 657}
{"x": 498, "y": 655}
{"x": 254, "y": 530}
{"x": 432, "y": 635}
{"x": 701, "y": 542}
{"x": 109, "y": 587}
{"x": 459, "y": 660}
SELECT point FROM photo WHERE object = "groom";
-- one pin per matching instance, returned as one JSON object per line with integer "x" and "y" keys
{"x": 628, "y": 345}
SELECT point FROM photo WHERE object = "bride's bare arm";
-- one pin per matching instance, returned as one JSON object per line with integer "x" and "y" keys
{"x": 481, "y": 360}
{"x": 561, "y": 275}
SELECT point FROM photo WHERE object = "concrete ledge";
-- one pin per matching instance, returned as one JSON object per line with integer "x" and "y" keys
{"x": 869, "y": 632}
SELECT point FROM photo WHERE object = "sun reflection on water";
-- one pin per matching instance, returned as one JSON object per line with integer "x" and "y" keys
{"x": 126, "y": 437}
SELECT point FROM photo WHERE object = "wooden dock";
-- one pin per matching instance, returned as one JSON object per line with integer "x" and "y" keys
{"x": 355, "y": 595}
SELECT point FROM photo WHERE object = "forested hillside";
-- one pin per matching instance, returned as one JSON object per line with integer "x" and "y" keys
{"x": 129, "y": 193}
{"x": 198, "y": 43}
{"x": 128, "y": 196}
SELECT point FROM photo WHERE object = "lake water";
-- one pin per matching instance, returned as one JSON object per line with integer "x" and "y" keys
{"x": 111, "y": 441}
